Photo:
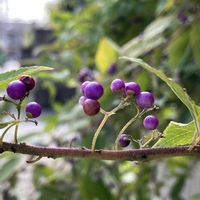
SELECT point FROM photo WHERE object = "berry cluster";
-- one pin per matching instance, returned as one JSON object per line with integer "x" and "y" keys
{"x": 19, "y": 89}
{"x": 143, "y": 100}
{"x": 91, "y": 91}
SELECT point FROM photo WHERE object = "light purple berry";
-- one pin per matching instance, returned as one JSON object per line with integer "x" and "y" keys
{"x": 145, "y": 100}
{"x": 150, "y": 122}
{"x": 132, "y": 88}
{"x": 93, "y": 90}
{"x": 33, "y": 110}
{"x": 82, "y": 99}
{"x": 117, "y": 85}
{"x": 16, "y": 90}
{"x": 124, "y": 141}
{"x": 83, "y": 85}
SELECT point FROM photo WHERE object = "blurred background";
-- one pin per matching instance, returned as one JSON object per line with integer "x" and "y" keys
{"x": 82, "y": 40}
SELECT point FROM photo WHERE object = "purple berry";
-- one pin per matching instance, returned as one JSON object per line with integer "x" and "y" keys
{"x": 150, "y": 122}
{"x": 28, "y": 81}
{"x": 83, "y": 85}
{"x": 145, "y": 100}
{"x": 117, "y": 85}
{"x": 16, "y": 90}
{"x": 112, "y": 68}
{"x": 93, "y": 90}
{"x": 182, "y": 16}
{"x": 124, "y": 141}
{"x": 91, "y": 107}
{"x": 82, "y": 99}
{"x": 86, "y": 75}
{"x": 33, "y": 110}
{"x": 132, "y": 88}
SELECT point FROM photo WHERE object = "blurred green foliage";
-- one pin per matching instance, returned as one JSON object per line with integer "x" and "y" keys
{"x": 165, "y": 33}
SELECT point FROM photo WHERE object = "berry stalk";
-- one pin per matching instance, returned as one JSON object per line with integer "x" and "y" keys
{"x": 18, "y": 118}
{"x": 121, "y": 105}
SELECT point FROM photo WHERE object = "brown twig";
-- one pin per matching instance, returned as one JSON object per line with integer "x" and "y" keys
{"x": 144, "y": 154}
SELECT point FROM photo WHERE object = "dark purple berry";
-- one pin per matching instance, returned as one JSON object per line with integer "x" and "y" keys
{"x": 112, "y": 69}
{"x": 150, "y": 122}
{"x": 93, "y": 90}
{"x": 16, "y": 90}
{"x": 85, "y": 75}
{"x": 33, "y": 110}
{"x": 28, "y": 81}
{"x": 117, "y": 85}
{"x": 132, "y": 88}
{"x": 82, "y": 99}
{"x": 91, "y": 107}
{"x": 145, "y": 100}
{"x": 124, "y": 141}
{"x": 83, "y": 85}
{"x": 182, "y": 16}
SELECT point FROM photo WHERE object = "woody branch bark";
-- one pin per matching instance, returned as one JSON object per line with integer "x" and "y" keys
{"x": 143, "y": 154}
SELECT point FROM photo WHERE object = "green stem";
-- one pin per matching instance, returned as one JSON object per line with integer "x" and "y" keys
{"x": 106, "y": 116}
{"x": 9, "y": 101}
{"x": 125, "y": 127}
{"x": 121, "y": 105}
{"x": 18, "y": 118}
{"x": 4, "y": 133}
{"x": 138, "y": 115}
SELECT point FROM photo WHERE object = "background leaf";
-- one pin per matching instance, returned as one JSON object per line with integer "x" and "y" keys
{"x": 106, "y": 54}
{"x": 9, "y": 168}
{"x": 195, "y": 41}
{"x": 177, "y": 48}
{"x": 6, "y": 77}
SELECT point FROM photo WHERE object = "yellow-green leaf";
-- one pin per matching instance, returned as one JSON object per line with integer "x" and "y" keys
{"x": 177, "y": 134}
{"x": 107, "y": 53}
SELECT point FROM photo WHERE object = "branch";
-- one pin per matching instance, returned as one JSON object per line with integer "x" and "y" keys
{"x": 144, "y": 154}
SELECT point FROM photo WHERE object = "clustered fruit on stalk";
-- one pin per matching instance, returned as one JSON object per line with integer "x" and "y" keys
{"x": 17, "y": 91}
{"x": 92, "y": 91}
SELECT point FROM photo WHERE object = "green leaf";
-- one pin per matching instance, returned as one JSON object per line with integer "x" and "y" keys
{"x": 177, "y": 48}
{"x": 9, "y": 168}
{"x": 195, "y": 41}
{"x": 7, "y": 77}
{"x": 175, "y": 87}
{"x": 148, "y": 40}
{"x": 99, "y": 190}
{"x": 107, "y": 54}
{"x": 177, "y": 134}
